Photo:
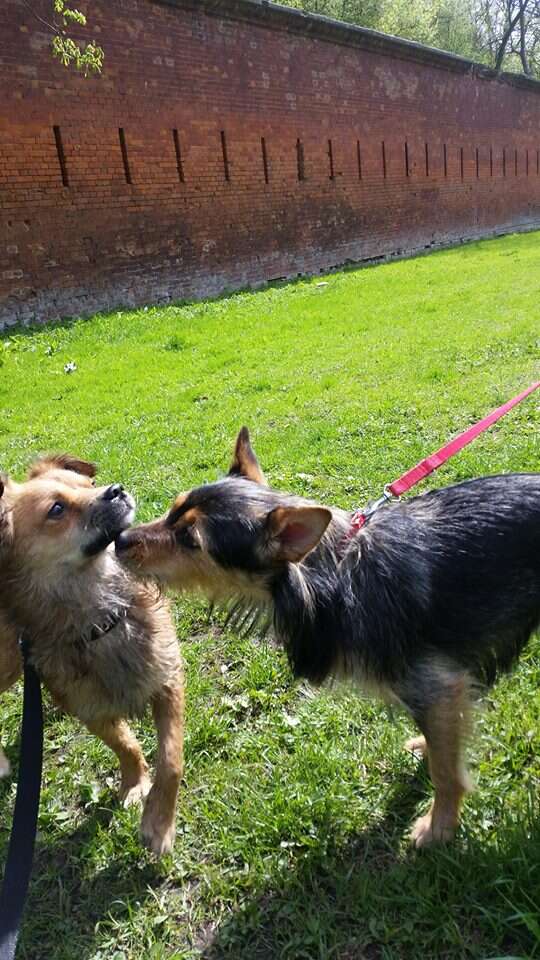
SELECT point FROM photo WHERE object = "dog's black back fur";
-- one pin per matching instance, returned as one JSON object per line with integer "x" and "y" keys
{"x": 450, "y": 578}
{"x": 454, "y": 573}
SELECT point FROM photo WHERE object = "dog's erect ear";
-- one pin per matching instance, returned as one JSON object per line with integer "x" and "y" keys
{"x": 294, "y": 532}
{"x": 61, "y": 461}
{"x": 245, "y": 463}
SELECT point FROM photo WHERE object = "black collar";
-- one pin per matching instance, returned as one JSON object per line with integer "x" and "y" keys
{"x": 100, "y": 630}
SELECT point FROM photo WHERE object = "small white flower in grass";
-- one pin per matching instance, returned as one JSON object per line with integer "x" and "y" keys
{"x": 70, "y": 367}
{"x": 290, "y": 721}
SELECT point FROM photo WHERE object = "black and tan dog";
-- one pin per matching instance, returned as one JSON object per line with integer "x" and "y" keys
{"x": 434, "y": 596}
{"x": 103, "y": 643}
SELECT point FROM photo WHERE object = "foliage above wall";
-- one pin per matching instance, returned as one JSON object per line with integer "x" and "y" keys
{"x": 502, "y": 33}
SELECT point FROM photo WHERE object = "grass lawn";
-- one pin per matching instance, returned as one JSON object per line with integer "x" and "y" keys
{"x": 293, "y": 820}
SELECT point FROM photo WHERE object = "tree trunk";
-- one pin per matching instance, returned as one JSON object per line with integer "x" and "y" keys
{"x": 512, "y": 21}
{"x": 522, "y": 41}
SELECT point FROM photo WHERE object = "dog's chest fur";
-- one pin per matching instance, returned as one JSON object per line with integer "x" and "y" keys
{"x": 98, "y": 675}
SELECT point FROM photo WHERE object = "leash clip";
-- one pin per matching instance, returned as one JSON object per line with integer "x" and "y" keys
{"x": 374, "y": 505}
{"x": 360, "y": 517}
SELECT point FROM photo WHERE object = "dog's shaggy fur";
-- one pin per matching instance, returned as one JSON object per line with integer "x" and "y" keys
{"x": 434, "y": 596}
{"x": 102, "y": 642}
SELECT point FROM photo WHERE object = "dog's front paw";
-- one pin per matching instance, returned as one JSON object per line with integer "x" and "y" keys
{"x": 157, "y": 834}
{"x": 427, "y": 830}
{"x": 135, "y": 793}
{"x": 417, "y": 746}
{"x": 5, "y": 766}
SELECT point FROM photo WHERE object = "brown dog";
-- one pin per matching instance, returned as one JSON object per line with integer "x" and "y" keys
{"x": 103, "y": 643}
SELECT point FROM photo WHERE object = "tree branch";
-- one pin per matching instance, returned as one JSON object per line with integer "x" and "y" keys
{"x": 51, "y": 26}
{"x": 508, "y": 33}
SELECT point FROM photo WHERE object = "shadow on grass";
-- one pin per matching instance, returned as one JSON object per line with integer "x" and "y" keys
{"x": 376, "y": 899}
{"x": 367, "y": 899}
{"x": 21, "y": 332}
{"x": 64, "y": 908}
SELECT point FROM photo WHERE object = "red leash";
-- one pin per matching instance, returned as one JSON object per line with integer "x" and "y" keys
{"x": 436, "y": 460}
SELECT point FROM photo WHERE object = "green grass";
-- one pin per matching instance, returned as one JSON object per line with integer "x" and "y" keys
{"x": 293, "y": 818}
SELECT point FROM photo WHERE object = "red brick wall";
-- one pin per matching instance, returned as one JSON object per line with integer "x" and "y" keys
{"x": 242, "y": 71}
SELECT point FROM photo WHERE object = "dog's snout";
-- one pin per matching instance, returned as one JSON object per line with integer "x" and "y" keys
{"x": 124, "y": 541}
{"x": 113, "y": 492}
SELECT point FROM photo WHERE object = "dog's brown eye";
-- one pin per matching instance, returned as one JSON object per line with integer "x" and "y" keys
{"x": 56, "y": 510}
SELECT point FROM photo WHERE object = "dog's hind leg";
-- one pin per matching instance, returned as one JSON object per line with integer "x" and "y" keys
{"x": 158, "y": 822}
{"x": 135, "y": 783}
{"x": 444, "y": 724}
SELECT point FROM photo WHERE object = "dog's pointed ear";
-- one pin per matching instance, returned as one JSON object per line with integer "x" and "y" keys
{"x": 61, "y": 461}
{"x": 245, "y": 463}
{"x": 293, "y": 532}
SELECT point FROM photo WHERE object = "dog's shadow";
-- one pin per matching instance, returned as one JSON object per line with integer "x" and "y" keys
{"x": 289, "y": 919}
{"x": 344, "y": 901}
{"x": 63, "y": 898}
{"x": 351, "y": 903}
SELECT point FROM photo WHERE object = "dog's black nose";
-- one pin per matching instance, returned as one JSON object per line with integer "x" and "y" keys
{"x": 115, "y": 490}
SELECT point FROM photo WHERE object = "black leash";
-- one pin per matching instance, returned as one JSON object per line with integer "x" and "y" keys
{"x": 24, "y": 827}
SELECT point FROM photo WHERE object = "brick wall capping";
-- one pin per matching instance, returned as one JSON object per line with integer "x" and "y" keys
{"x": 276, "y": 16}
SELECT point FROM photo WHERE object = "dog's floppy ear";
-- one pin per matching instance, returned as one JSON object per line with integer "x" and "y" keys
{"x": 293, "y": 532}
{"x": 61, "y": 461}
{"x": 245, "y": 463}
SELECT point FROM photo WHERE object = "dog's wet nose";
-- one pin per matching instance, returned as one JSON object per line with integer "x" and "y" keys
{"x": 126, "y": 541}
{"x": 115, "y": 490}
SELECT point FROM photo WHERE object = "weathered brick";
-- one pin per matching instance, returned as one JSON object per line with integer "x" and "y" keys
{"x": 401, "y": 148}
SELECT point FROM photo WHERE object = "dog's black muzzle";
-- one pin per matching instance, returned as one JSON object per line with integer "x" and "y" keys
{"x": 110, "y": 514}
{"x": 114, "y": 492}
